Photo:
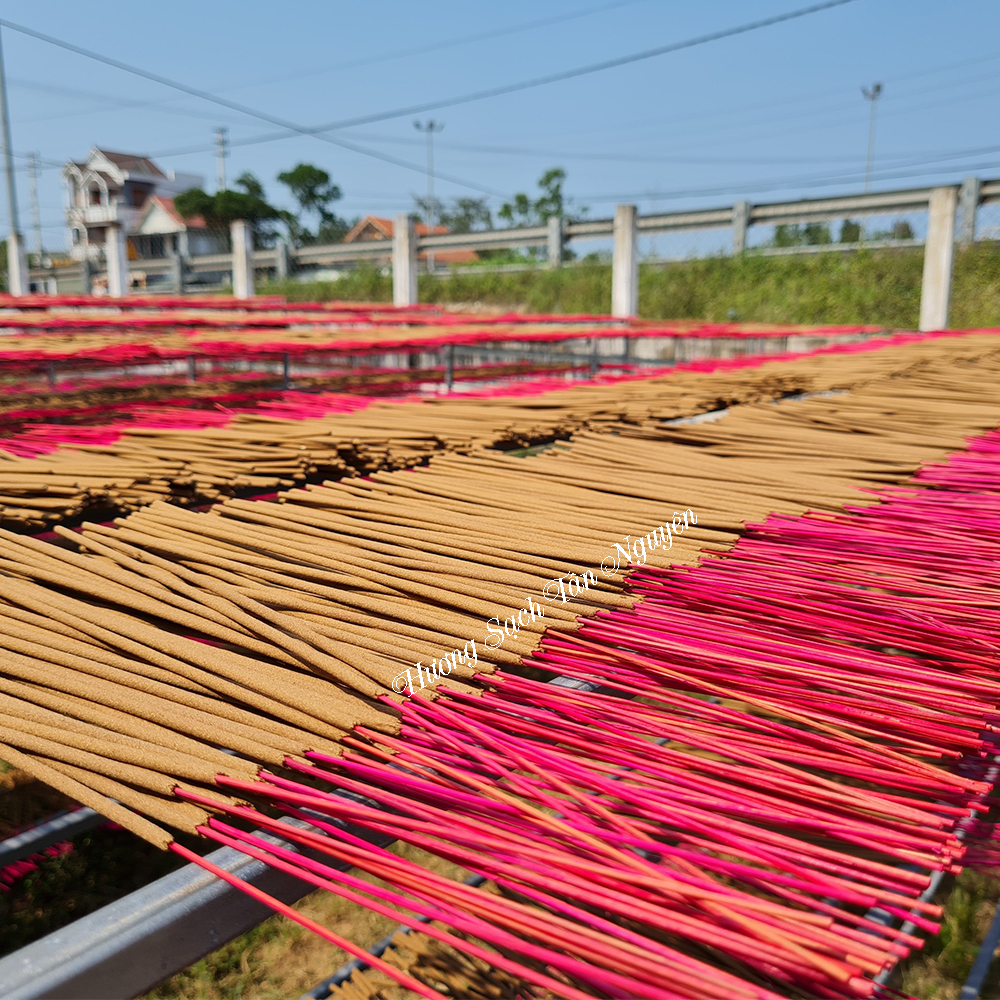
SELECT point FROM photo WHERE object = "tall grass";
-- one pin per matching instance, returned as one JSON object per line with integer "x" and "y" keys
{"x": 880, "y": 287}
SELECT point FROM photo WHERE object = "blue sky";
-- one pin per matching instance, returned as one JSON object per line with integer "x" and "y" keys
{"x": 771, "y": 114}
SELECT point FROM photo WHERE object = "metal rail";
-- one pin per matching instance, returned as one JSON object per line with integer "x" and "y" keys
{"x": 62, "y": 826}
{"x": 738, "y": 216}
{"x": 131, "y": 945}
{"x": 127, "y": 947}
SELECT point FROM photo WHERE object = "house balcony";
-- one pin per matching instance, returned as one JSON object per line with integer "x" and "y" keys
{"x": 104, "y": 215}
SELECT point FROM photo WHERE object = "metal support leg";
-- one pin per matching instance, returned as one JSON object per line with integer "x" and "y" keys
{"x": 285, "y": 371}
{"x": 449, "y": 369}
{"x": 192, "y": 369}
{"x": 52, "y": 374}
{"x": 594, "y": 363}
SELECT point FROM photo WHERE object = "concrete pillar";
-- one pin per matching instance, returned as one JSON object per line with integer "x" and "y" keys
{"x": 625, "y": 263}
{"x": 968, "y": 202}
{"x": 741, "y": 219}
{"x": 282, "y": 261}
{"x": 177, "y": 266}
{"x": 404, "y": 261}
{"x": 555, "y": 240}
{"x": 18, "y": 280}
{"x": 939, "y": 252}
{"x": 86, "y": 277}
{"x": 116, "y": 259}
{"x": 242, "y": 236}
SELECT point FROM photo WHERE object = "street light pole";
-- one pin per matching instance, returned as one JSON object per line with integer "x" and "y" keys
{"x": 36, "y": 214}
{"x": 17, "y": 271}
{"x": 221, "y": 152}
{"x": 429, "y": 127}
{"x": 871, "y": 96}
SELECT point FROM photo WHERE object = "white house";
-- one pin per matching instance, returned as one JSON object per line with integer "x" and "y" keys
{"x": 131, "y": 191}
{"x": 161, "y": 231}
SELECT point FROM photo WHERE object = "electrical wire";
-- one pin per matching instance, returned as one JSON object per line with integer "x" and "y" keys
{"x": 161, "y": 105}
{"x": 481, "y": 36}
{"x": 291, "y": 128}
{"x": 264, "y": 116}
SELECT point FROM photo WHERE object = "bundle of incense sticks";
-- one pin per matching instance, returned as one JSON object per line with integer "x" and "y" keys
{"x": 737, "y": 857}
{"x": 256, "y": 452}
{"x": 761, "y": 826}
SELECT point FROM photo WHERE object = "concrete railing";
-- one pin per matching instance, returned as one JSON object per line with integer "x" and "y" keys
{"x": 941, "y": 204}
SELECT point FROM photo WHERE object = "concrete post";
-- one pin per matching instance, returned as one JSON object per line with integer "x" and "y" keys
{"x": 242, "y": 237}
{"x": 86, "y": 277}
{"x": 116, "y": 259}
{"x": 555, "y": 240}
{"x": 939, "y": 252}
{"x": 741, "y": 219}
{"x": 625, "y": 263}
{"x": 404, "y": 261}
{"x": 282, "y": 261}
{"x": 177, "y": 274}
{"x": 968, "y": 202}
{"x": 18, "y": 279}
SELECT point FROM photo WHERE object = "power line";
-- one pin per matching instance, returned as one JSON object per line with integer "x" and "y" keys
{"x": 105, "y": 99}
{"x": 481, "y": 36}
{"x": 160, "y": 105}
{"x": 802, "y": 182}
{"x": 244, "y": 109}
{"x": 290, "y": 128}
{"x": 579, "y": 71}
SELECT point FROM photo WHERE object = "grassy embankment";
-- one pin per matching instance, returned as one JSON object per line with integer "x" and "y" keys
{"x": 879, "y": 287}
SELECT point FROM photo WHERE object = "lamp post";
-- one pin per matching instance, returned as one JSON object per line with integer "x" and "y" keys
{"x": 429, "y": 127}
{"x": 871, "y": 96}
{"x": 221, "y": 152}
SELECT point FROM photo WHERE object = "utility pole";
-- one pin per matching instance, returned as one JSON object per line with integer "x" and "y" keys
{"x": 871, "y": 96}
{"x": 221, "y": 152}
{"x": 36, "y": 215}
{"x": 430, "y": 127}
{"x": 17, "y": 269}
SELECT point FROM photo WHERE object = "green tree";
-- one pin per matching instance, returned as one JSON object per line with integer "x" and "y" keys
{"x": 428, "y": 208}
{"x": 250, "y": 184}
{"x": 315, "y": 192}
{"x": 464, "y": 215}
{"x": 551, "y": 203}
{"x": 220, "y": 209}
{"x": 523, "y": 210}
{"x": 792, "y": 235}
{"x": 899, "y": 230}
{"x": 850, "y": 231}
{"x": 467, "y": 215}
{"x": 816, "y": 234}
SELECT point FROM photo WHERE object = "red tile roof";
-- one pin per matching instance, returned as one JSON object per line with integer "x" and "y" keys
{"x": 385, "y": 228}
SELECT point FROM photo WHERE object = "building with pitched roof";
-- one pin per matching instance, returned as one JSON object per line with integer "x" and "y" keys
{"x": 373, "y": 227}
{"x": 130, "y": 191}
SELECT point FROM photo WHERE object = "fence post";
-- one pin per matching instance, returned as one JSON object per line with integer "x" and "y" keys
{"x": 555, "y": 238}
{"x": 18, "y": 279}
{"x": 177, "y": 273}
{"x": 741, "y": 219}
{"x": 625, "y": 263}
{"x": 404, "y": 261}
{"x": 282, "y": 264}
{"x": 116, "y": 259}
{"x": 242, "y": 237}
{"x": 939, "y": 252}
{"x": 968, "y": 202}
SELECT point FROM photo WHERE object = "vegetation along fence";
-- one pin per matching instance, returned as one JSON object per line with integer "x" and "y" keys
{"x": 939, "y": 206}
